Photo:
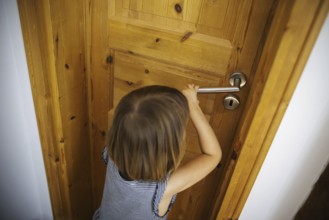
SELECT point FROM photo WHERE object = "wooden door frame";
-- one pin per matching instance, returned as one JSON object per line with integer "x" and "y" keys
{"x": 37, "y": 34}
{"x": 56, "y": 65}
{"x": 293, "y": 32}
{"x": 294, "y": 28}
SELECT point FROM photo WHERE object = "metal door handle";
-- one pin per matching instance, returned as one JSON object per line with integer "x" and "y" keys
{"x": 218, "y": 89}
{"x": 237, "y": 80}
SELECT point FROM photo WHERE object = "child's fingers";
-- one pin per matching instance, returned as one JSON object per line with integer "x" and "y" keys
{"x": 195, "y": 87}
{"x": 192, "y": 86}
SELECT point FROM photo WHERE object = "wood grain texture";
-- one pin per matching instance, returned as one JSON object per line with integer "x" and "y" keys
{"x": 56, "y": 63}
{"x": 288, "y": 45}
{"x": 67, "y": 20}
{"x": 41, "y": 63}
{"x": 198, "y": 52}
{"x": 247, "y": 40}
{"x": 174, "y": 43}
{"x": 99, "y": 84}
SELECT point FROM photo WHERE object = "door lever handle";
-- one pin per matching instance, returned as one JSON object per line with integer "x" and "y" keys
{"x": 237, "y": 81}
{"x": 217, "y": 89}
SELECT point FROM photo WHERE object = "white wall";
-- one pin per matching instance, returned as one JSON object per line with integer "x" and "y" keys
{"x": 23, "y": 185}
{"x": 300, "y": 150}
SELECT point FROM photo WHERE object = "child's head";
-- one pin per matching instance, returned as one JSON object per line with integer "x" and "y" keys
{"x": 146, "y": 137}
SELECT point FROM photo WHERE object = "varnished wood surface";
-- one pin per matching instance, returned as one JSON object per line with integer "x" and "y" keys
{"x": 288, "y": 45}
{"x": 36, "y": 14}
{"x": 153, "y": 42}
{"x": 54, "y": 42}
{"x": 99, "y": 86}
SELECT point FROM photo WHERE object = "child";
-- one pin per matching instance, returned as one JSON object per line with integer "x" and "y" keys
{"x": 145, "y": 148}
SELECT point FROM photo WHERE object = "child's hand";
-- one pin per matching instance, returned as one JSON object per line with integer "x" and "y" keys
{"x": 191, "y": 95}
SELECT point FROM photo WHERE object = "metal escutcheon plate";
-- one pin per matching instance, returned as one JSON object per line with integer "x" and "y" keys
{"x": 239, "y": 76}
{"x": 231, "y": 102}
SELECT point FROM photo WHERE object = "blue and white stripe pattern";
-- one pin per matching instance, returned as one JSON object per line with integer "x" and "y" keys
{"x": 160, "y": 188}
{"x": 105, "y": 156}
{"x": 137, "y": 200}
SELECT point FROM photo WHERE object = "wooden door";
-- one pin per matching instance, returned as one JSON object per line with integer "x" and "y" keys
{"x": 56, "y": 48}
{"x": 173, "y": 43}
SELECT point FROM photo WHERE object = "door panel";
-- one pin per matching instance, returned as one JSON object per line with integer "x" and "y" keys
{"x": 208, "y": 17}
{"x": 190, "y": 41}
{"x": 133, "y": 71}
{"x": 196, "y": 51}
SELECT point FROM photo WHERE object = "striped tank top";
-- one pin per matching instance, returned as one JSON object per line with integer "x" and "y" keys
{"x": 130, "y": 200}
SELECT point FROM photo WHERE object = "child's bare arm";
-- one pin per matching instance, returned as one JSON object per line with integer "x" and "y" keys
{"x": 196, "y": 169}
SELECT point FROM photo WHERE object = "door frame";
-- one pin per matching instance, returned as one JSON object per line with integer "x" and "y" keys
{"x": 289, "y": 42}
{"x": 293, "y": 32}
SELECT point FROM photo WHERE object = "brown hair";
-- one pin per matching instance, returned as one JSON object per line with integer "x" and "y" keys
{"x": 146, "y": 137}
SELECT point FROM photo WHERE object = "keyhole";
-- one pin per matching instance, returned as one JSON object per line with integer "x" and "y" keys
{"x": 231, "y": 102}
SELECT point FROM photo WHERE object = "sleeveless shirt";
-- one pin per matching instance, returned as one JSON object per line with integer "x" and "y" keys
{"x": 130, "y": 200}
